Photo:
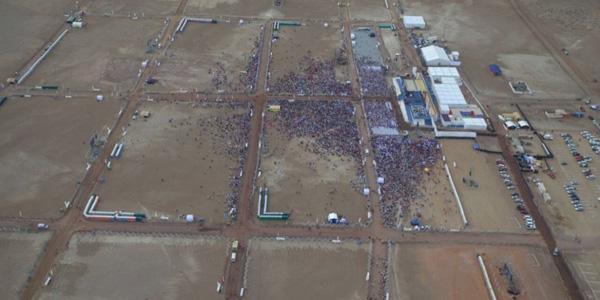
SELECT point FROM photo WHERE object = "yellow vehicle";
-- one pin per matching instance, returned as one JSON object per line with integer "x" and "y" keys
{"x": 235, "y": 246}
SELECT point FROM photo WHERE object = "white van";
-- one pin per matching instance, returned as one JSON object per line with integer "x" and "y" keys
{"x": 233, "y": 257}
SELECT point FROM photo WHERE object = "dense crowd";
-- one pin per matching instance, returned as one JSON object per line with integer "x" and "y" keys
{"x": 371, "y": 76}
{"x": 311, "y": 77}
{"x": 330, "y": 124}
{"x": 380, "y": 114}
{"x": 251, "y": 77}
{"x": 402, "y": 162}
{"x": 231, "y": 135}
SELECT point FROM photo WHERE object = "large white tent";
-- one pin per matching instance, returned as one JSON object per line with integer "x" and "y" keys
{"x": 435, "y": 56}
{"x": 415, "y": 22}
{"x": 449, "y": 94}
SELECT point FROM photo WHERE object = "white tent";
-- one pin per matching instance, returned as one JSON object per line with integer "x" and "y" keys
{"x": 332, "y": 216}
{"x": 189, "y": 218}
{"x": 523, "y": 124}
{"x": 439, "y": 73}
{"x": 435, "y": 56}
{"x": 510, "y": 125}
{"x": 414, "y": 22}
{"x": 450, "y": 95}
{"x": 475, "y": 124}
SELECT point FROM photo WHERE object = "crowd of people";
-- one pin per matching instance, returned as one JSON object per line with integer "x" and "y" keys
{"x": 231, "y": 133}
{"x": 402, "y": 163}
{"x": 371, "y": 76}
{"x": 311, "y": 77}
{"x": 251, "y": 76}
{"x": 380, "y": 114}
{"x": 330, "y": 124}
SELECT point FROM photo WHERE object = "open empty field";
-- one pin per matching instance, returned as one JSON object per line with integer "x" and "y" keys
{"x": 370, "y": 10}
{"x": 19, "y": 253}
{"x": 311, "y": 162}
{"x": 574, "y": 25}
{"x": 288, "y": 9}
{"x": 43, "y": 154}
{"x": 474, "y": 28}
{"x": 183, "y": 159}
{"x": 535, "y": 113}
{"x": 139, "y": 267}
{"x": 307, "y": 269}
{"x": 426, "y": 271}
{"x": 211, "y": 58}
{"x": 304, "y": 61}
{"x": 106, "y": 54}
{"x": 487, "y": 202}
{"x": 131, "y": 7}
{"x": 32, "y": 24}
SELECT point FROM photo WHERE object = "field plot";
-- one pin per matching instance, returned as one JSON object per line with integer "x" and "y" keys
{"x": 311, "y": 161}
{"x": 43, "y": 154}
{"x": 212, "y": 58}
{"x": 474, "y": 29}
{"x": 307, "y": 269}
{"x": 308, "y": 59}
{"x": 574, "y": 25}
{"x": 33, "y": 23}
{"x": 288, "y": 9}
{"x": 391, "y": 43}
{"x": 429, "y": 271}
{"x": 415, "y": 184}
{"x": 139, "y": 267}
{"x": 106, "y": 54}
{"x": 131, "y": 7}
{"x": 369, "y": 10}
{"x": 586, "y": 268}
{"x": 19, "y": 253}
{"x": 485, "y": 198}
{"x": 183, "y": 159}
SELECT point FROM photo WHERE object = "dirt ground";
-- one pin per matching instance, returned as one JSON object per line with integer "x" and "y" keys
{"x": 305, "y": 184}
{"x": 574, "y": 25}
{"x": 289, "y": 9}
{"x": 34, "y": 22}
{"x": 312, "y": 40}
{"x": 306, "y": 269}
{"x": 586, "y": 268}
{"x": 106, "y": 54}
{"x": 535, "y": 114}
{"x": 131, "y": 7}
{"x": 139, "y": 267}
{"x": 475, "y": 29}
{"x": 391, "y": 43}
{"x": 488, "y": 207}
{"x": 44, "y": 155}
{"x": 369, "y": 10}
{"x": 19, "y": 253}
{"x": 201, "y": 51}
{"x": 184, "y": 158}
{"x": 432, "y": 271}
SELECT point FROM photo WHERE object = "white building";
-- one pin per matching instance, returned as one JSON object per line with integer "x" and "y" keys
{"x": 438, "y": 73}
{"x": 435, "y": 56}
{"x": 449, "y": 95}
{"x": 414, "y": 22}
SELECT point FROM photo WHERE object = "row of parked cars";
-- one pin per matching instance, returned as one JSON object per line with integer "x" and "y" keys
{"x": 572, "y": 192}
{"x": 529, "y": 222}
{"x": 593, "y": 140}
{"x": 582, "y": 160}
{"x": 504, "y": 174}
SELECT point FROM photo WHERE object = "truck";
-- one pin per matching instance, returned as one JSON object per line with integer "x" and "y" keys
{"x": 234, "y": 249}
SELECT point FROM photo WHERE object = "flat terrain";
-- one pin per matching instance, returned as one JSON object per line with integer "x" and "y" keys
{"x": 209, "y": 58}
{"x": 190, "y": 152}
{"x": 32, "y": 24}
{"x": 574, "y": 25}
{"x": 297, "y": 52}
{"x": 106, "y": 54}
{"x": 369, "y": 10}
{"x": 474, "y": 28}
{"x": 289, "y": 9}
{"x": 487, "y": 204}
{"x": 586, "y": 267}
{"x": 303, "y": 178}
{"x": 421, "y": 271}
{"x": 139, "y": 267}
{"x": 131, "y": 7}
{"x": 44, "y": 155}
{"x": 306, "y": 269}
{"x": 19, "y": 253}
